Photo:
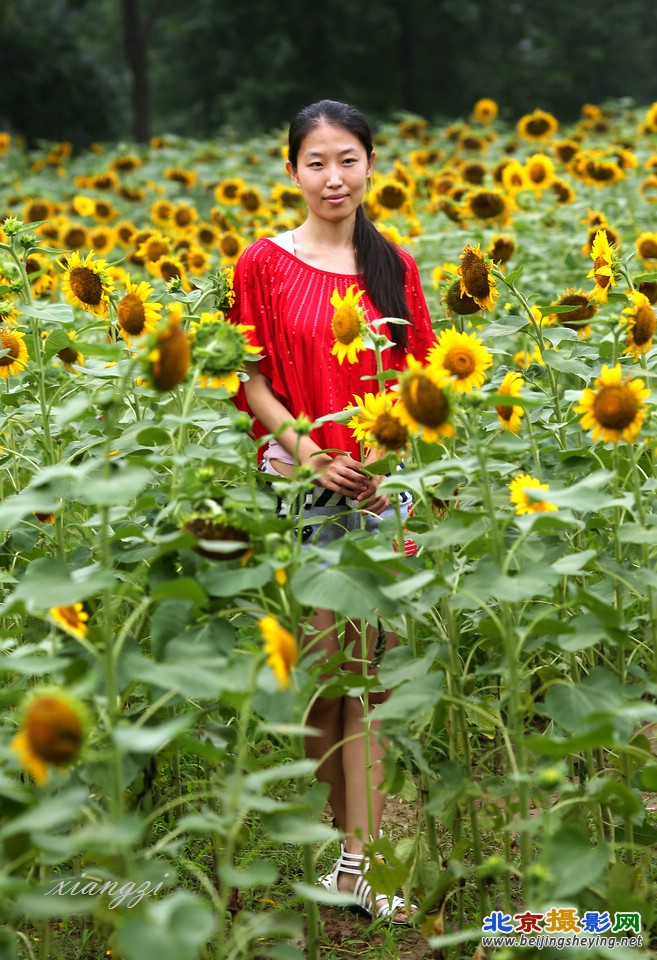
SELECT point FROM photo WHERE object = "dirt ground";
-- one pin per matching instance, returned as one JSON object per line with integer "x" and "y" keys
{"x": 350, "y": 935}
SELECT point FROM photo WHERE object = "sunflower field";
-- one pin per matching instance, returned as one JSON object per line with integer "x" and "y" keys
{"x": 155, "y": 796}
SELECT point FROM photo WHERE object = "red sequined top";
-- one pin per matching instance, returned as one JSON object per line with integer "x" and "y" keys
{"x": 288, "y": 303}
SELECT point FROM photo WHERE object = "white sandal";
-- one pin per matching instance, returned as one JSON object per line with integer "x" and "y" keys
{"x": 357, "y": 864}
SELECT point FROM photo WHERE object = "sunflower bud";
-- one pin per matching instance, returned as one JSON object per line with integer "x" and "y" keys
{"x": 12, "y": 226}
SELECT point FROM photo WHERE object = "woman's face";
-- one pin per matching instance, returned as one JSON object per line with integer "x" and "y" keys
{"x": 332, "y": 171}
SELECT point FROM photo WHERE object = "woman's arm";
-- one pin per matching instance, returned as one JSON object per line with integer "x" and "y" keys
{"x": 340, "y": 474}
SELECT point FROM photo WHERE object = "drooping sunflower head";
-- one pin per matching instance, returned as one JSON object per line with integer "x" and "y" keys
{"x": 520, "y": 490}
{"x": 460, "y": 303}
{"x": 476, "y": 279}
{"x": 563, "y": 191}
{"x": 136, "y": 314}
{"x": 86, "y": 283}
{"x": 614, "y": 408}
{"x": 462, "y": 357}
{"x": 537, "y": 126}
{"x": 167, "y": 355}
{"x": 501, "y": 249}
{"x": 640, "y": 321}
{"x": 169, "y": 268}
{"x": 348, "y": 324}
{"x": 215, "y": 527}
{"x": 280, "y": 648}
{"x": 15, "y": 359}
{"x": 424, "y": 402}
{"x": 604, "y": 266}
{"x": 52, "y": 733}
{"x": 377, "y": 424}
{"x": 153, "y": 246}
{"x": 510, "y": 415}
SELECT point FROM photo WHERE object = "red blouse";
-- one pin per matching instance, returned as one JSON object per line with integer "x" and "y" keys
{"x": 288, "y": 303}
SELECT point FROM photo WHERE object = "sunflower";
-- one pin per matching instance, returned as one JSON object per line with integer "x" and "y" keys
{"x": 286, "y": 196}
{"x": 168, "y": 268}
{"x": 125, "y": 231}
{"x": 377, "y": 424}
{"x": 640, "y": 321}
{"x": 462, "y": 357}
{"x": 424, "y": 401}
{"x": 646, "y": 287}
{"x": 348, "y": 325}
{"x": 525, "y": 358}
{"x": 392, "y": 196}
{"x": 152, "y": 247}
{"x": 510, "y": 415}
{"x": 86, "y": 283}
{"x": 646, "y": 244}
{"x": 613, "y": 409}
{"x": 5, "y": 142}
{"x": 604, "y": 263}
{"x": 444, "y": 183}
{"x": 162, "y": 212}
{"x": 648, "y": 189}
{"x": 40, "y": 273}
{"x": 598, "y": 172}
{"x": 460, "y": 303}
{"x": 613, "y": 239}
{"x": 102, "y": 240}
{"x": 187, "y": 178}
{"x": 196, "y": 260}
{"x": 214, "y": 526}
{"x": 73, "y": 236}
{"x": 501, "y": 249}
{"x": 230, "y": 246}
{"x": 563, "y": 191}
{"x": 650, "y": 122}
{"x": 392, "y": 234}
{"x": 280, "y": 647}
{"x": 584, "y": 309}
{"x": 565, "y": 150}
{"x": 103, "y": 211}
{"x": 183, "y": 220}
{"x": 446, "y": 271}
{"x": 228, "y": 191}
{"x": 476, "y": 279}
{"x": 539, "y": 170}
{"x": 167, "y": 355}
{"x": 72, "y": 619}
{"x": 69, "y": 355}
{"x": 15, "y": 359}
{"x": 126, "y": 163}
{"x": 484, "y": 110}
{"x": 135, "y": 313}
{"x": 474, "y": 172}
{"x": 526, "y": 504}
{"x": 514, "y": 176}
{"x": 206, "y": 234}
{"x": 38, "y": 209}
{"x": 250, "y": 200}
{"x": 488, "y": 205}
{"x": 105, "y": 181}
{"x": 53, "y": 730}
{"x": 537, "y": 126}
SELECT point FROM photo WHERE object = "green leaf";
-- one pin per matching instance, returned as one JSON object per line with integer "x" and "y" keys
{"x": 347, "y": 590}
{"x": 489, "y": 581}
{"x": 49, "y": 583}
{"x": 48, "y": 814}
{"x": 574, "y": 562}
{"x": 260, "y": 873}
{"x": 182, "y": 588}
{"x": 150, "y": 740}
{"x": 412, "y": 698}
{"x": 574, "y": 861}
{"x": 120, "y": 487}
{"x": 168, "y": 621}
{"x": 602, "y": 735}
{"x": 202, "y": 676}
{"x": 173, "y": 929}
{"x": 222, "y": 581}
{"x": 571, "y": 704}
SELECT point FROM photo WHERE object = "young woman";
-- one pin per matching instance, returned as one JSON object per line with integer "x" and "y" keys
{"x": 283, "y": 289}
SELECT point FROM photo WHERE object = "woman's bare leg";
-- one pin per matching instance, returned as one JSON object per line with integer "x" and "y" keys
{"x": 326, "y": 715}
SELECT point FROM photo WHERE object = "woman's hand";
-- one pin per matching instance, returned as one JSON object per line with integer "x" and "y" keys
{"x": 343, "y": 475}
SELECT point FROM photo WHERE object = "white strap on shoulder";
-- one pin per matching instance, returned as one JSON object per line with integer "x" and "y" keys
{"x": 285, "y": 240}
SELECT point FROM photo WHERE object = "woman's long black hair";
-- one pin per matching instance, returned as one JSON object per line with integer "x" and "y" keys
{"x": 376, "y": 257}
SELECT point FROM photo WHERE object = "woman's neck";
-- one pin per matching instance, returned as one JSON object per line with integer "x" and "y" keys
{"x": 327, "y": 246}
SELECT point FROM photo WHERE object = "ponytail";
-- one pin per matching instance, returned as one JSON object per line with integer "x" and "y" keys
{"x": 384, "y": 272}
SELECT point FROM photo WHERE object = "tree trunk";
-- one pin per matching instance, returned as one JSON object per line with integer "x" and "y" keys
{"x": 136, "y": 35}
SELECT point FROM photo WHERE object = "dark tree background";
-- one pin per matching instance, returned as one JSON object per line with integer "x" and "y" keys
{"x": 86, "y": 70}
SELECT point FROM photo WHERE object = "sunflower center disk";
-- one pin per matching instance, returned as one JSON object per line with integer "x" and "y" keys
{"x": 425, "y": 402}
{"x": 132, "y": 316}
{"x": 9, "y": 342}
{"x": 615, "y": 407}
{"x": 54, "y": 731}
{"x": 460, "y": 363}
{"x": 346, "y": 325}
{"x": 648, "y": 249}
{"x": 86, "y": 285}
{"x": 475, "y": 278}
{"x": 169, "y": 270}
{"x": 390, "y": 432}
{"x": 391, "y": 197}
